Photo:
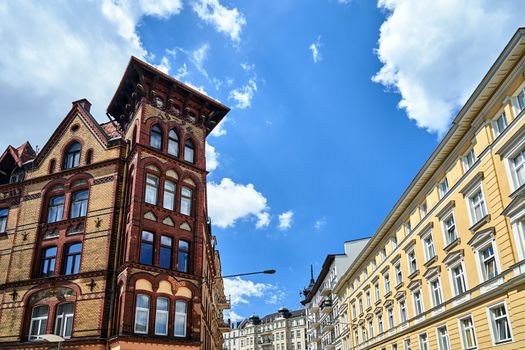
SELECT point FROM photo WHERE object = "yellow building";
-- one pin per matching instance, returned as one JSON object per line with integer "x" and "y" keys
{"x": 446, "y": 269}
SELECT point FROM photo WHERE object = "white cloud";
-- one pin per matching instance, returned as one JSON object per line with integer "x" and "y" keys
{"x": 227, "y": 21}
{"x": 68, "y": 57}
{"x": 198, "y": 57}
{"x": 219, "y": 129}
{"x": 244, "y": 95}
{"x": 164, "y": 65}
{"x": 316, "y": 54}
{"x": 243, "y": 291}
{"x": 320, "y": 223}
{"x": 232, "y": 316}
{"x": 212, "y": 161}
{"x": 248, "y": 67}
{"x": 243, "y": 202}
{"x": 285, "y": 220}
{"x": 435, "y": 53}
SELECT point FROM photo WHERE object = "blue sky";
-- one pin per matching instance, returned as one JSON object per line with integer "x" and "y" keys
{"x": 335, "y": 105}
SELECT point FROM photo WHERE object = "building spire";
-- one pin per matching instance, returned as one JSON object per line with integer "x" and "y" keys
{"x": 312, "y": 281}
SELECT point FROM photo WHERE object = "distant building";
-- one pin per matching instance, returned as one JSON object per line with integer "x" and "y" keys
{"x": 283, "y": 330}
{"x": 104, "y": 234}
{"x": 327, "y": 317}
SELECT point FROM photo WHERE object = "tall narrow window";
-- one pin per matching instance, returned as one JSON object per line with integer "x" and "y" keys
{"x": 72, "y": 259}
{"x": 146, "y": 248}
{"x": 371, "y": 328}
{"x": 79, "y": 204}
{"x": 469, "y": 159}
{"x": 142, "y": 314}
{"x": 449, "y": 225}
{"x": 165, "y": 252}
{"x": 518, "y": 165}
{"x": 161, "y": 316}
{"x": 64, "y": 320}
{"x": 180, "y": 318}
{"x": 430, "y": 251}
{"x": 500, "y": 324}
{"x": 520, "y": 99}
{"x": 443, "y": 188}
{"x": 368, "y": 299}
{"x": 380, "y": 323}
{"x": 435, "y": 290}
{"x": 408, "y": 344}
{"x": 183, "y": 256}
{"x": 488, "y": 263}
{"x": 391, "y": 320}
{"x": 403, "y": 311}
{"x": 477, "y": 206}
{"x": 89, "y": 156}
{"x": 467, "y": 333}
{"x": 418, "y": 302}
{"x": 423, "y": 342}
{"x": 458, "y": 277}
{"x": 49, "y": 257}
{"x": 412, "y": 262}
{"x": 55, "y": 210}
{"x": 155, "y": 137}
{"x": 38, "y": 325}
{"x": 386, "y": 277}
{"x": 3, "y": 220}
{"x": 399, "y": 273}
{"x": 443, "y": 340}
{"x": 152, "y": 189}
{"x": 500, "y": 124}
{"x": 185, "y": 201}
{"x": 173, "y": 143}
{"x": 189, "y": 151}
{"x": 376, "y": 292}
{"x": 72, "y": 158}
{"x": 169, "y": 195}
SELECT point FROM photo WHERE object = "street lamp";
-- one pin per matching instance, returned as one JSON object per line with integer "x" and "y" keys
{"x": 267, "y": 272}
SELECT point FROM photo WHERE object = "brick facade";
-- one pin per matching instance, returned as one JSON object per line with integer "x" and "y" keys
{"x": 112, "y": 165}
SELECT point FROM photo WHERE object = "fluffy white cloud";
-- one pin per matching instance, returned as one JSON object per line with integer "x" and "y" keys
{"x": 232, "y": 316}
{"x": 198, "y": 57}
{"x": 164, "y": 65}
{"x": 316, "y": 54}
{"x": 219, "y": 129}
{"x": 244, "y": 95}
{"x": 51, "y": 56}
{"x": 434, "y": 53}
{"x": 212, "y": 161}
{"x": 241, "y": 291}
{"x": 285, "y": 220}
{"x": 227, "y": 21}
{"x": 229, "y": 202}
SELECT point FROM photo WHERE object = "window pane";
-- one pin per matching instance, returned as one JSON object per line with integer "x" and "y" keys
{"x": 189, "y": 151}
{"x": 79, "y": 205}
{"x": 3, "y": 220}
{"x": 183, "y": 256}
{"x": 142, "y": 314}
{"x": 161, "y": 317}
{"x": 38, "y": 321}
{"x": 72, "y": 158}
{"x": 180, "y": 318}
{"x": 173, "y": 144}
{"x": 56, "y": 209}
{"x": 155, "y": 140}
{"x": 152, "y": 186}
{"x": 185, "y": 201}
{"x": 146, "y": 248}
{"x": 169, "y": 195}
{"x": 165, "y": 252}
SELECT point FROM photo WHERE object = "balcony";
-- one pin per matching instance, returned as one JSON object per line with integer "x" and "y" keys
{"x": 223, "y": 303}
{"x": 326, "y": 288}
{"x": 223, "y": 326}
{"x": 265, "y": 340}
{"x": 315, "y": 336}
{"x": 327, "y": 325}
{"x": 327, "y": 306}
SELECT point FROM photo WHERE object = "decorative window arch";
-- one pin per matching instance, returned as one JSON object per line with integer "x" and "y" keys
{"x": 72, "y": 156}
{"x": 155, "y": 137}
{"x": 173, "y": 143}
{"x": 189, "y": 151}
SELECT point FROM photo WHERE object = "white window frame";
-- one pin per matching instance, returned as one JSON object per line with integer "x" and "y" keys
{"x": 515, "y": 101}
{"x": 380, "y": 325}
{"x": 490, "y": 318}
{"x": 495, "y": 126}
{"x": 439, "y": 290}
{"x": 377, "y": 291}
{"x": 403, "y": 311}
{"x": 468, "y": 160}
{"x": 462, "y": 332}
{"x": 518, "y": 227}
{"x": 393, "y": 242}
{"x": 412, "y": 269}
{"x": 439, "y": 339}
{"x": 423, "y": 209}
{"x": 391, "y": 318}
{"x": 425, "y": 237}
{"x": 141, "y": 309}
{"x": 368, "y": 298}
{"x": 481, "y": 263}
{"x": 407, "y": 344}
{"x": 451, "y": 268}
{"x": 446, "y": 238}
{"x": 426, "y": 345}
{"x": 421, "y": 303}
{"x": 387, "y": 283}
{"x": 398, "y": 272}
{"x": 162, "y": 313}
{"x": 443, "y": 192}
{"x": 471, "y": 206}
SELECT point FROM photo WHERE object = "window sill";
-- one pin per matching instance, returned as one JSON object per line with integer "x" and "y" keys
{"x": 480, "y": 223}
{"x": 388, "y": 294}
{"x": 413, "y": 274}
{"x": 452, "y": 244}
{"x": 430, "y": 261}
{"x": 399, "y": 285}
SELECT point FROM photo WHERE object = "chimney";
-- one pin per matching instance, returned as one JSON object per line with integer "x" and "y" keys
{"x": 85, "y": 104}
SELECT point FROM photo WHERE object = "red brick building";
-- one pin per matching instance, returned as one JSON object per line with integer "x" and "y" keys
{"x": 104, "y": 234}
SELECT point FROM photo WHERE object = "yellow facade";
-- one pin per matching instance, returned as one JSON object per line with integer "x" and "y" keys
{"x": 458, "y": 246}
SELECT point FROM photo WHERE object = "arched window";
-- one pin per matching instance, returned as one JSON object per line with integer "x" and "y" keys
{"x": 79, "y": 204}
{"x": 72, "y": 158}
{"x": 180, "y": 318}
{"x": 142, "y": 314}
{"x": 155, "y": 137}
{"x": 152, "y": 189}
{"x": 89, "y": 156}
{"x": 38, "y": 326}
{"x": 17, "y": 176}
{"x": 173, "y": 143}
{"x": 189, "y": 151}
{"x": 64, "y": 320}
{"x": 72, "y": 259}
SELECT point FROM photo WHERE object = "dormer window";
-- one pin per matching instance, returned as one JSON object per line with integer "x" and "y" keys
{"x": 173, "y": 143}
{"x": 155, "y": 137}
{"x": 17, "y": 176}
{"x": 72, "y": 158}
{"x": 189, "y": 151}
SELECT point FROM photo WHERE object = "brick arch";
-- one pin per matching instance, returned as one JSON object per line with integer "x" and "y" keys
{"x": 73, "y": 286}
{"x": 141, "y": 275}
